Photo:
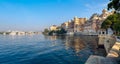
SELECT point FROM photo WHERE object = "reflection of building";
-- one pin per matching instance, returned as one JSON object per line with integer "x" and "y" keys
{"x": 53, "y": 27}
{"x": 74, "y": 42}
{"x": 67, "y": 43}
{"x": 78, "y": 45}
{"x": 53, "y": 37}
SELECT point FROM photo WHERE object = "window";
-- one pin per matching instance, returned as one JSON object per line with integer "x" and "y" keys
{"x": 103, "y": 32}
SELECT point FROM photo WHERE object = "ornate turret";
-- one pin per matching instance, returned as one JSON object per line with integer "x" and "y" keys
{"x": 104, "y": 11}
{"x": 105, "y": 14}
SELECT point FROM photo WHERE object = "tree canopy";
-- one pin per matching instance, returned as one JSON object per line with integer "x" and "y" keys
{"x": 113, "y": 21}
{"x": 61, "y": 31}
{"x": 46, "y": 31}
{"x": 114, "y": 4}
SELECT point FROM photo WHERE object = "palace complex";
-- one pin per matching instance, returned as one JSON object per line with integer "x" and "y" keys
{"x": 85, "y": 25}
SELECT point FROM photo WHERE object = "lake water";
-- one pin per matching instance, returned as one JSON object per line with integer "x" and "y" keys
{"x": 39, "y": 49}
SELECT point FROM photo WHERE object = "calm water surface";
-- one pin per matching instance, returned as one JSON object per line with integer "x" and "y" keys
{"x": 39, "y": 49}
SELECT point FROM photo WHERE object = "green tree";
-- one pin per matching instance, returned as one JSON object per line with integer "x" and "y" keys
{"x": 113, "y": 21}
{"x": 46, "y": 30}
{"x": 114, "y": 4}
{"x": 51, "y": 32}
{"x": 106, "y": 24}
{"x": 60, "y": 31}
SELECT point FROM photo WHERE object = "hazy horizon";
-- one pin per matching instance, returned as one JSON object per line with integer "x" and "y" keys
{"x": 35, "y": 15}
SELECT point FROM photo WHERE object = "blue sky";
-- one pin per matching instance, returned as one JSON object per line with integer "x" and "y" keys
{"x": 35, "y": 15}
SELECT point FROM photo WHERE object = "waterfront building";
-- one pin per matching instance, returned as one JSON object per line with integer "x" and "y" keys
{"x": 102, "y": 32}
{"x": 17, "y": 33}
{"x": 12, "y": 33}
{"x": 105, "y": 14}
{"x": 87, "y": 27}
{"x": 109, "y": 31}
{"x": 94, "y": 26}
{"x": 82, "y": 25}
{"x": 21, "y": 33}
{"x": 94, "y": 23}
{"x": 66, "y": 26}
{"x": 71, "y": 26}
{"x": 53, "y": 27}
{"x": 63, "y": 25}
{"x": 4, "y": 33}
{"x": 75, "y": 25}
{"x": 78, "y": 24}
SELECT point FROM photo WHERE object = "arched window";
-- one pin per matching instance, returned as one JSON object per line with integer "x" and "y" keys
{"x": 103, "y": 32}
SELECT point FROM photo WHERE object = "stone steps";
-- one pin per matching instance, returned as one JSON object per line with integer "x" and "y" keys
{"x": 115, "y": 51}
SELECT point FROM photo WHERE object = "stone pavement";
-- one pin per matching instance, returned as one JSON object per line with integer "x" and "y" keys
{"x": 99, "y": 60}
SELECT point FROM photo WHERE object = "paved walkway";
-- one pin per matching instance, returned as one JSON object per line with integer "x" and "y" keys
{"x": 99, "y": 60}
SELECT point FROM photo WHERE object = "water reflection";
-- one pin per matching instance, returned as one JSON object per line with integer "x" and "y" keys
{"x": 53, "y": 37}
{"x": 39, "y": 49}
{"x": 79, "y": 44}
{"x": 50, "y": 37}
{"x": 74, "y": 42}
{"x": 70, "y": 42}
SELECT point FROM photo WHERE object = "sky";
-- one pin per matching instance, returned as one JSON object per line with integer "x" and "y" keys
{"x": 35, "y": 15}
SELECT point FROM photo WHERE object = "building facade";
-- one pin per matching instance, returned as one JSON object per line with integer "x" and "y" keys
{"x": 93, "y": 25}
{"x": 53, "y": 27}
{"x": 78, "y": 24}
